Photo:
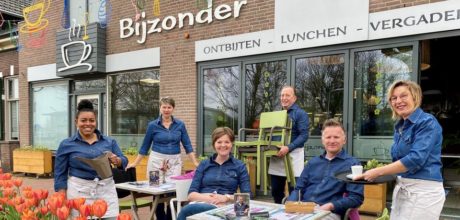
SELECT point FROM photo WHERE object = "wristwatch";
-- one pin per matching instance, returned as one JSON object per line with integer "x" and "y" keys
{"x": 229, "y": 197}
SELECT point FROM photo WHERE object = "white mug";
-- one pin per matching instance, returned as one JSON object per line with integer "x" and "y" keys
{"x": 356, "y": 170}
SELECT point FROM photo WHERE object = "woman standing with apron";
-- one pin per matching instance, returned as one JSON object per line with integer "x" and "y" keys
{"x": 76, "y": 178}
{"x": 164, "y": 136}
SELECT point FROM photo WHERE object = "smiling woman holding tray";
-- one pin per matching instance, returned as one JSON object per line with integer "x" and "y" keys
{"x": 416, "y": 152}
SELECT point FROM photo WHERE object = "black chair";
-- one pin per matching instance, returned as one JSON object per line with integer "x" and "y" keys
{"x": 121, "y": 176}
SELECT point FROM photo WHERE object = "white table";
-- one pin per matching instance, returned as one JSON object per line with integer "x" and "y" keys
{"x": 276, "y": 210}
{"x": 162, "y": 193}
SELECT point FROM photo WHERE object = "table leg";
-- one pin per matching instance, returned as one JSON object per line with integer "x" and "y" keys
{"x": 134, "y": 206}
{"x": 154, "y": 206}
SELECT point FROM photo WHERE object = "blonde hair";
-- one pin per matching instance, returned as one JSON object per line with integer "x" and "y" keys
{"x": 414, "y": 90}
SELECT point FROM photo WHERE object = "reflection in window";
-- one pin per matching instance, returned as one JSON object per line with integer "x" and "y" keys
{"x": 221, "y": 94}
{"x": 374, "y": 72}
{"x": 13, "y": 108}
{"x": 134, "y": 101}
{"x": 50, "y": 117}
{"x": 319, "y": 88}
{"x": 264, "y": 82}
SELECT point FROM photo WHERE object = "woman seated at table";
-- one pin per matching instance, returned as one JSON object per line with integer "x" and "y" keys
{"x": 217, "y": 178}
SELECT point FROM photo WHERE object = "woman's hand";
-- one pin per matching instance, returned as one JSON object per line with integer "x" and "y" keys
{"x": 369, "y": 175}
{"x": 130, "y": 165}
{"x": 115, "y": 160}
{"x": 218, "y": 199}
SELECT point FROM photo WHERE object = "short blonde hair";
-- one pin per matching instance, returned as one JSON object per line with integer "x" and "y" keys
{"x": 414, "y": 90}
{"x": 220, "y": 132}
{"x": 332, "y": 123}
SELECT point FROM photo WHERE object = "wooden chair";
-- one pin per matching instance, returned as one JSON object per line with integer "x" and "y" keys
{"x": 274, "y": 130}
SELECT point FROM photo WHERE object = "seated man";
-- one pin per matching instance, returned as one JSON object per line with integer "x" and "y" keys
{"x": 241, "y": 208}
{"x": 317, "y": 182}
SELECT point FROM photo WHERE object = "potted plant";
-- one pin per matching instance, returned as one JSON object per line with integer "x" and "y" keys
{"x": 375, "y": 196}
{"x": 141, "y": 168}
{"x": 32, "y": 159}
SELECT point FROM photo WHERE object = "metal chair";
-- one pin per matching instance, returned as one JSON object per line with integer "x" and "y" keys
{"x": 274, "y": 130}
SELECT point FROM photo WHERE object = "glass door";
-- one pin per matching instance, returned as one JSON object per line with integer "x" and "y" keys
{"x": 374, "y": 71}
{"x": 320, "y": 88}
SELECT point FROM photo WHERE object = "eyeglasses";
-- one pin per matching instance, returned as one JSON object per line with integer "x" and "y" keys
{"x": 403, "y": 97}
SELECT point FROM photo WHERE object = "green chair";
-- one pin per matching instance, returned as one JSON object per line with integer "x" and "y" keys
{"x": 385, "y": 215}
{"x": 272, "y": 124}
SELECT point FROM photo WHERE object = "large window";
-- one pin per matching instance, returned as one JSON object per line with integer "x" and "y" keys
{"x": 374, "y": 72}
{"x": 13, "y": 108}
{"x": 80, "y": 9}
{"x": 263, "y": 84}
{"x": 221, "y": 96}
{"x": 134, "y": 102}
{"x": 50, "y": 119}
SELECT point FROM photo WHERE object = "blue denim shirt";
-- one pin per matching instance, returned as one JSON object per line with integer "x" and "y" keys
{"x": 66, "y": 164}
{"x": 318, "y": 184}
{"x": 166, "y": 141}
{"x": 211, "y": 177}
{"x": 417, "y": 144}
{"x": 300, "y": 125}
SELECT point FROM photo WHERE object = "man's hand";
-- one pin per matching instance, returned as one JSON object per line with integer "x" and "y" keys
{"x": 283, "y": 151}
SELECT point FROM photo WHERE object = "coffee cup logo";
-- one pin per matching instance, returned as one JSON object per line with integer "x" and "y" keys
{"x": 33, "y": 17}
{"x": 82, "y": 47}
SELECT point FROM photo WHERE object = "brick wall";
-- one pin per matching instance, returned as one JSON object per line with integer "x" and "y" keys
{"x": 384, "y": 5}
{"x": 8, "y": 58}
{"x": 178, "y": 70}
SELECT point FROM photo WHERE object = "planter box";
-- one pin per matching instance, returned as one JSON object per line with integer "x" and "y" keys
{"x": 141, "y": 168}
{"x": 38, "y": 162}
{"x": 375, "y": 198}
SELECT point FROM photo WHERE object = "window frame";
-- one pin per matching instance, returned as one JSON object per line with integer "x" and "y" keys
{"x": 8, "y": 114}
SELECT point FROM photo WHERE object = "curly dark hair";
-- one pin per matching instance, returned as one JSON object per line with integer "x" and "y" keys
{"x": 85, "y": 105}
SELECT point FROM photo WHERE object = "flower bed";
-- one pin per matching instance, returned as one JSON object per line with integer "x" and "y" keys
{"x": 23, "y": 202}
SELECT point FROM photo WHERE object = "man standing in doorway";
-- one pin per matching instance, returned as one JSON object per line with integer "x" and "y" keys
{"x": 295, "y": 149}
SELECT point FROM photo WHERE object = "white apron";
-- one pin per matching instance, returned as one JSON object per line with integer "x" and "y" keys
{"x": 92, "y": 190}
{"x": 174, "y": 162}
{"x": 277, "y": 164}
{"x": 417, "y": 199}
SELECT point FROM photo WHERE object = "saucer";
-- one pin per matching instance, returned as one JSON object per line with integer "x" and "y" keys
{"x": 26, "y": 28}
{"x": 350, "y": 176}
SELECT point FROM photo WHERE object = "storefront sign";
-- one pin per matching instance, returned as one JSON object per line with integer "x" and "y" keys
{"x": 434, "y": 17}
{"x": 324, "y": 25}
{"x": 309, "y": 23}
{"x": 80, "y": 50}
{"x": 142, "y": 28}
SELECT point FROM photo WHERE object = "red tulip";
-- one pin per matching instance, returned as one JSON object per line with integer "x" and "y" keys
{"x": 17, "y": 182}
{"x": 19, "y": 207}
{"x": 18, "y": 200}
{"x": 31, "y": 202}
{"x": 78, "y": 202}
{"x": 124, "y": 216}
{"x": 41, "y": 194}
{"x": 44, "y": 210}
{"x": 55, "y": 202}
{"x": 26, "y": 188}
{"x": 99, "y": 208}
{"x": 8, "y": 192}
{"x": 28, "y": 194}
{"x": 80, "y": 218}
{"x": 27, "y": 214}
{"x": 85, "y": 210}
{"x": 63, "y": 212}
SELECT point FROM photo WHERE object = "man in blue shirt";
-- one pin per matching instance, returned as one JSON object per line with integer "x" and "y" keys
{"x": 317, "y": 183}
{"x": 299, "y": 136}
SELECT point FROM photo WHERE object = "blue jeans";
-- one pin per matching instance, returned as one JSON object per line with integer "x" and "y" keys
{"x": 193, "y": 209}
{"x": 278, "y": 185}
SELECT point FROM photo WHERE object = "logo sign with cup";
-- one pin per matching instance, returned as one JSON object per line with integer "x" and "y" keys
{"x": 81, "y": 50}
